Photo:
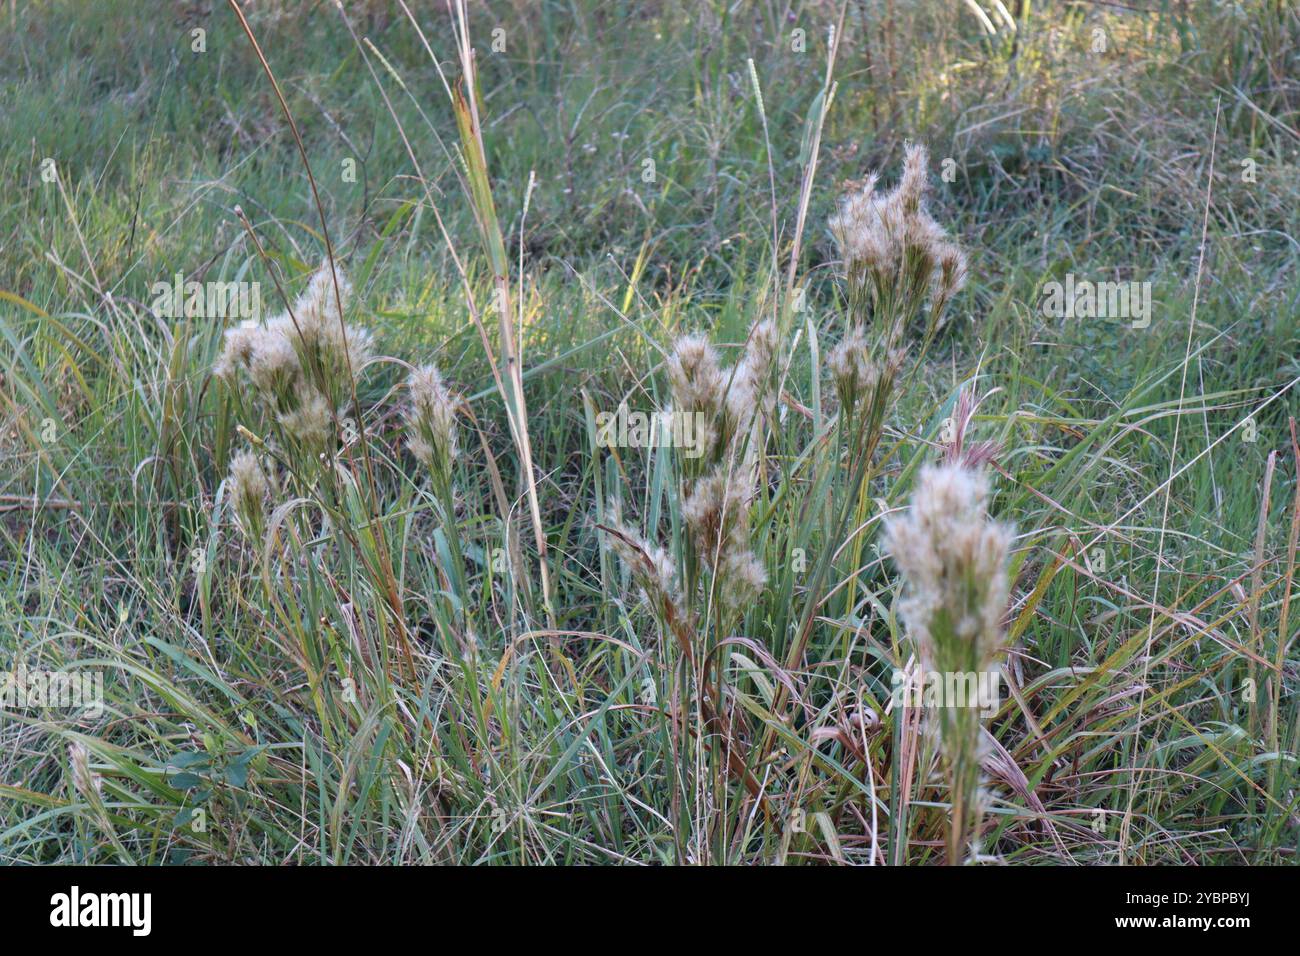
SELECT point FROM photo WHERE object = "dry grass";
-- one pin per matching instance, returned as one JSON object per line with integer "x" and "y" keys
{"x": 379, "y": 592}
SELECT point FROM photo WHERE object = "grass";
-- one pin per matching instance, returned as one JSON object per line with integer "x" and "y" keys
{"x": 398, "y": 674}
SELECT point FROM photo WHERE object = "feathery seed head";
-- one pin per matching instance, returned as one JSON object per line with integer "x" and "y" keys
{"x": 311, "y": 423}
{"x": 317, "y": 308}
{"x": 248, "y": 491}
{"x": 743, "y": 578}
{"x": 852, "y": 221}
{"x": 714, "y": 509}
{"x": 430, "y": 417}
{"x": 953, "y": 559}
{"x": 651, "y": 568}
{"x": 240, "y": 343}
{"x": 326, "y": 345}
{"x": 699, "y": 387}
{"x": 247, "y": 482}
{"x": 84, "y": 780}
{"x": 912, "y": 187}
{"x": 750, "y": 389}
{"x": 760, "y": 349}
{"x": 716, "y": 512}
{"x": 300, "y": 364}
{"x": 273, "y": 364}
{"x": 854, "y": 371}
{"x": 951, "y": 277}
{"x": 695, "y": 375}
{"x": 893, "y": 250}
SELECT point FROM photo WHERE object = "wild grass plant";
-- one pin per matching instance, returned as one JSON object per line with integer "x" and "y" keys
{"x": 366, "y": 580}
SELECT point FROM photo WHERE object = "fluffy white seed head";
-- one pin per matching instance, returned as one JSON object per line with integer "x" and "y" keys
{"x": 951, "y": 276}
{"x": 248, "y": 491}
{"x": 84, "y": 780}
{"x": 915, "y": 181}
{"x": 716, "y": 512}
{"x": 853, "y": 369}
{"x": 430, "y": 416}
{"x": 850, "y": 225}
{"x": 311, "y": 422}
{"x": 699, "y": 389}
{"x": 953, "y": 559}
{"x": 650, "y": 565}
{"x": 237, "y": 347}
{"x": 309, "y": 344}
{"x": 891, "y": 246}
{"x": 247, "y": 481}
{"x": 741, "y": 579}
{"x": 273, "y": 366}
{"x": 695, "y": 376}
{"x": 750, "y": 392}
{"x": 319, "y": 332}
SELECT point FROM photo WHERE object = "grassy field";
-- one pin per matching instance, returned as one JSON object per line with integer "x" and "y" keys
{"x": 453, "y": 620}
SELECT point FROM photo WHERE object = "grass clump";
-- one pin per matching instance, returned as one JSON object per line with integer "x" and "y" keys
{"x": 368, "y": 581}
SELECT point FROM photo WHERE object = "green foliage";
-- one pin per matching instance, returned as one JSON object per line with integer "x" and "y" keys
{"x": 406, "y": 672}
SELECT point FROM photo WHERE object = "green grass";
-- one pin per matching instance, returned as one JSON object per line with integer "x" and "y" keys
{"x": 515, "y": 706}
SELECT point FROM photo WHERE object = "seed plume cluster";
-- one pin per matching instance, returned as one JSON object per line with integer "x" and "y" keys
{"x": 716, "y": 495}
{"x": 896, "y": 260}
{"x": 300, "y": 368}
{"x": 896, "y": 257}
{"x": 953, "y": 559}
{"x": 301, "y": 363}
{"x": 248, "y": 492}
{"x": 430, "y": 417}
{"x": 729, "y": 407}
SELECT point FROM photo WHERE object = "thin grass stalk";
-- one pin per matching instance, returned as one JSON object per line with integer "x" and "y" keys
{"x": 465, "y": 104}
{"x": 387, "y": 579}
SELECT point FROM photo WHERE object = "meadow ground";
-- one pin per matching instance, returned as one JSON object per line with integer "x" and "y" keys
{"x": 334, "y": 610}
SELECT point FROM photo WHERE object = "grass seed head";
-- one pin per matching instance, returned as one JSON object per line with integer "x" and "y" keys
{"x": 751, "y": 388}
{"x": 301, "y": 365}
{"x": 712, "y": 509}
{"x": 311, "y": 422}
{"x": 951, "y": 277}
{"x": 324, "y": 341}
{"x": 84, "y": 780}
{"x": 895, "y": 255}
{"x": 430, "y": 417}
{"x": 742, "y": 578}
{"x": 651, "y": 567}
{"x": 696, "y": 377}
{"x": 853, "y": 369}
{"x": 239, "y": 344}
{"x": 248, "y": 492}
{"x": 273, "y": 366}
{"x": 716, "y": 512}
{"x": 953, "y": 559}
{"x": 915, "y": 181}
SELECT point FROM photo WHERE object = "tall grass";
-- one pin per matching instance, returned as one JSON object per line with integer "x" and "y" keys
{"x": 366, "y": 580}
